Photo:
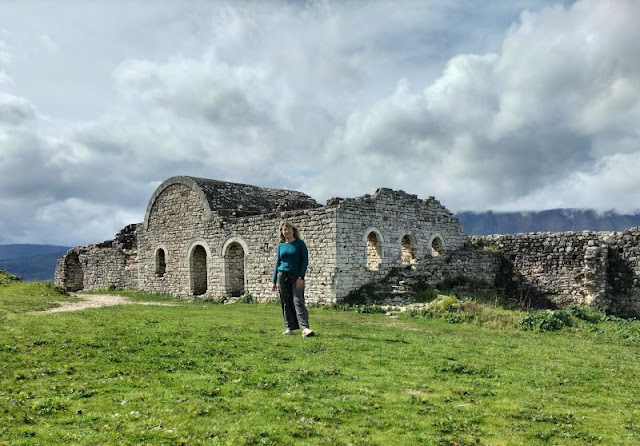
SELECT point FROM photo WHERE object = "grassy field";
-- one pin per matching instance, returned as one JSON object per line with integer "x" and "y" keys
{"x": 206, "y": 373}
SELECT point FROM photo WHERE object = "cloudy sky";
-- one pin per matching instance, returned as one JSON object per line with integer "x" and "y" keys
{"x": 503, "y": 105}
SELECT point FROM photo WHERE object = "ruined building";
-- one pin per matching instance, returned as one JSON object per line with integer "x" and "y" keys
{"x": 207, "y": 239}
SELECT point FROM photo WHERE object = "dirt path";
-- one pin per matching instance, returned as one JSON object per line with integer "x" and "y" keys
{"x": 99, "y": 300}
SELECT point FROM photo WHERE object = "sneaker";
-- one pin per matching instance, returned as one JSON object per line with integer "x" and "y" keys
{"x": 287, "y": 332}
{"x": 307, "y": 332}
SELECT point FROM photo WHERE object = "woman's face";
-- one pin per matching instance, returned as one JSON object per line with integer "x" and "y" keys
{"x": 287, "y": 232}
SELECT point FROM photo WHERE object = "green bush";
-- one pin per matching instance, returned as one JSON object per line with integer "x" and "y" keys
{"x": 587, "y": 314}
{"x": 452, "y": 318}
{"x": 247, "y": 299}
{"x": 548, "y": 320}
{"x": 449, "y": 303}
{"x": 355, "y": 308}
{"x": 215, "y": 300}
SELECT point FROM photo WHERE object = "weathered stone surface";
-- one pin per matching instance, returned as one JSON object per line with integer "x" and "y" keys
{"x": 207, "y": 238}
{"x": 587, "y": 268}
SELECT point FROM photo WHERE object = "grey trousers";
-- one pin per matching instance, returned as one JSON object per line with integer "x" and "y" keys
{"x": 294, "y": 310}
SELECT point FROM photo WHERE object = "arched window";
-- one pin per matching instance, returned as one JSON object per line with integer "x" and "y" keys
{"x": 407, "y": 250}
{"x": 437, "y": 247}
{"x": 161, "y": 263}
{"x": 374, "y": 251}
{"x": 198, "y": 270}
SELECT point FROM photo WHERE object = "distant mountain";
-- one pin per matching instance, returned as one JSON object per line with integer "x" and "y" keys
{"x": 553, "y": 220}
{"x": 31, "y": 262}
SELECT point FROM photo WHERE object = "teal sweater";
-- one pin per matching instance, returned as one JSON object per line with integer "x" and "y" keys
{"x": 292, "y": 258}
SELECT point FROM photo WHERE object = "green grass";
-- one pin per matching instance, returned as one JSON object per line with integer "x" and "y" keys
{"x": 205, "y": 373}
{"x": 17, "y": 296}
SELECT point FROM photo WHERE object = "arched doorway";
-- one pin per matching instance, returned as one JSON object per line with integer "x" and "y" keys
{"x": 198, "y": 270}
{"x": 74, "y": 274}
{"x": 234, "y": 269}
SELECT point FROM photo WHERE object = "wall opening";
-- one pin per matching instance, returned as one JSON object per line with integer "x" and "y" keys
{"x": 437, "y": 247}
{"x": 74, "y": 274}
{"x": 374, "y": 251}
{"x": 407, "y": 251}
{"x": 234, "y": 265}
{"x": 161, "y": 263}
{"x": 198, "y": 269}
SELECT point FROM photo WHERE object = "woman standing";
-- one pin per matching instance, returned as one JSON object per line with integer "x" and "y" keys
{"x": 292, "y": 260}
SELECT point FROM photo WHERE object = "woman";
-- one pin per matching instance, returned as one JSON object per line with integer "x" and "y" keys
{"x": 292, "y": 260}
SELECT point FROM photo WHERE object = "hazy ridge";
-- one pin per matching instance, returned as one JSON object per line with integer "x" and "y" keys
{"x": 553, "y": 220}
{"x": 31, "y": 262}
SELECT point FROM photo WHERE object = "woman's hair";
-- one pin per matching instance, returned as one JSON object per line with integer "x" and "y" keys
{"x": 296, "y": 234}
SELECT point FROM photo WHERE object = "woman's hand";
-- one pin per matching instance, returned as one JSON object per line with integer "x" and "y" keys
{"x": 274, "y": 287}
{"x": 299, "y": 283}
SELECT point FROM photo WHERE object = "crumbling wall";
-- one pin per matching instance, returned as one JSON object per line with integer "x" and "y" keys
{"x": 585, "y": 268}
{"x": 207, "y": 238}
{"x": 623, "y": 271}
{"x": 94, "y": 267}
{"x": 405, "y": 228}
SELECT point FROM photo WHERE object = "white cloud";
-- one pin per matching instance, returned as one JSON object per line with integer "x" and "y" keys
{"x": 495, "y": 127}
{"x": 478, "y": 104}
{"x": 612, "y": 184}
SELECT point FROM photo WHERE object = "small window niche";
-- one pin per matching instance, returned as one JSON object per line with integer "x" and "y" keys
{"x": 161, "y": 263}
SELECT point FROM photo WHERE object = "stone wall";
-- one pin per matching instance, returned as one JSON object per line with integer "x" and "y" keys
{"x": 389, "y": 229}
{"x": 207, "y": 239}
{"x": 585, "y": 268}
{"x": 185, "y": 248}
{"x": 337, "y": 235}
{"x": 188, "y": 247}
{"x": 623, "y": 271}
{"x": 94, "y": 267}
{"x": 240, "y": 251}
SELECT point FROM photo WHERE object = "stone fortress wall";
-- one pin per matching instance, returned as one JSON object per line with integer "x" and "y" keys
{"x": 207, "y": 239}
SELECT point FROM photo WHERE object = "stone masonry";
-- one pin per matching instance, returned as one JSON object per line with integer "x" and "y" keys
{"x": 207, "y": 239}
{"x": 585, "y": 268}
{"x": 204, "y": 238}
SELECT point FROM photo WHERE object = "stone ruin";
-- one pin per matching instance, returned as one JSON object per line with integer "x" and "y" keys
{"x": 203, "y": 238}
{"x": 584, "y": 268}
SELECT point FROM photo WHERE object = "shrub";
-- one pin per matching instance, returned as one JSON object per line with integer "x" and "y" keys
{"x": 452, "y": 318}
{"x": 369, "y": 309}
{"x": 588, "y": 314}
{"x": 247, "y": 299}
{"x": 56, "y": 289}
{"x": 449, "y": 303}
{"x": 548, "y": 320}
{"x": 215, "y": 300}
